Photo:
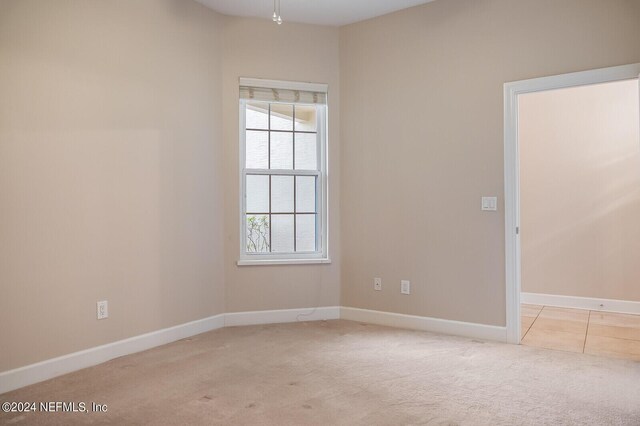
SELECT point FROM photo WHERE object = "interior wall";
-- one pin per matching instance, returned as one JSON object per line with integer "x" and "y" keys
{"x": 297, "y": 52}
{"x": 580, "y": 191}
{"x": 110, "y": 171}
{"x": 422, "y": 132}
{"x": 119, "y": 157}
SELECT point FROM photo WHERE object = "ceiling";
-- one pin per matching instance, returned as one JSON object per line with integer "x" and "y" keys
{"x": 323, "y": 12}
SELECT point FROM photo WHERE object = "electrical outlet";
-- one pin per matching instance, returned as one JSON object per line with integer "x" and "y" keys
{"x": 405, "y": 287}
{"x": 377, "y": 284}
{"x": 103, "y": 309}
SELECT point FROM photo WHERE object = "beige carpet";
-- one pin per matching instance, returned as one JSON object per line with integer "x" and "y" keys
{"x": 341, "y": 372}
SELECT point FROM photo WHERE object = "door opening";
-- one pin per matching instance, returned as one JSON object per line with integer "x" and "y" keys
{"x": 513, "y": 150}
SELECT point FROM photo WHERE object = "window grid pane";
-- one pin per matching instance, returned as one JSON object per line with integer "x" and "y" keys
{"x": 257, "y": 115}
{"x": 270, "y": 231}
{"x": 257, "y": 195}
{"x": 306, "y": 235}
{"x": 305, "y": 147}
{"x": 283, "y": 237}
{"x": 281, "y": 117}
{"x": 258, "y": 233}
{"x": 306, "y": 199}
{"x": 305, "y": 118}
{"x": 282, "y": 194}
{"x": 281, "y": 150}
{"x": 257, "y": 149}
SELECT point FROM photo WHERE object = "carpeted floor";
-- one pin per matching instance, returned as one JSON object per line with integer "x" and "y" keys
{"x": 342, "y": 372}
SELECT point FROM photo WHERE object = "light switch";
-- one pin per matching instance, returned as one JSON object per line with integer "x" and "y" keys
{"x": 490, "y": 204}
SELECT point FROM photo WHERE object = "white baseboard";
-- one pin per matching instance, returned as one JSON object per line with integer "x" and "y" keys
{"x": 591, "y": 303}
{"x": 282, "y": 315}
{"x": 457, "y": 328}
{"x": 34, "y": 373}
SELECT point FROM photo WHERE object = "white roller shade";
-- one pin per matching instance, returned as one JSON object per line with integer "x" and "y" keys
{"x": 282, "y": 91}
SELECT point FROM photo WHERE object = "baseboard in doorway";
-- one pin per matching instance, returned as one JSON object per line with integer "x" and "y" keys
{"x": 436, "y": 325}
{"x": 590, "y": 303}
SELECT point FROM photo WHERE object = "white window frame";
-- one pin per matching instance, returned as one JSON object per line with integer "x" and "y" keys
{"x": 322, "y": 222}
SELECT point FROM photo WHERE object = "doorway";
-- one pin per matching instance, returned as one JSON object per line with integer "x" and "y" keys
{"x": 514, "y": 93}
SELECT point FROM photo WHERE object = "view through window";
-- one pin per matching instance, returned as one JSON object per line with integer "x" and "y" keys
{"x": 282, "y": 178}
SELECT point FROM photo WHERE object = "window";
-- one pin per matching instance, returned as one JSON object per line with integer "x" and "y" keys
{"x": 283, "y": 172}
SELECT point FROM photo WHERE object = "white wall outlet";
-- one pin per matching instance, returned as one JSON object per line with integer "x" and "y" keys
{"x": 405, "y": 287}
{"x": 490, "y": 204}
{"x": 377, "y": 284}
{"x": 102, "y": 309}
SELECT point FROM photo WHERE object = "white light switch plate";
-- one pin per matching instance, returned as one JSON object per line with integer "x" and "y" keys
{"x": 490, "y": 204}
{"x": 405, "y": 287}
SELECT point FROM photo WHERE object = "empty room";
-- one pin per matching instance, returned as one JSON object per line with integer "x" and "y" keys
{"x": 319, "y": 212}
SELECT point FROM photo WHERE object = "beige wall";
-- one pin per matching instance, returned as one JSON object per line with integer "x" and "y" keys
{"x": 117, "y": 178}
{"x": 422, "y": 140}
{"x": 119, "y": 157}
{"x": 258, "y": 48}
{"x": 110, "y": 171}
{"x": 580, "y": 191}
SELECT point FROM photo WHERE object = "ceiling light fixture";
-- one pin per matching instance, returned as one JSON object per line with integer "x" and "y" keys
{"x": 276, "y": 12}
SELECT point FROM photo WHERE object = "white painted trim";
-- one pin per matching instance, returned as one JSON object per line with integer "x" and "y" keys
{"x": 34, "y": 373}
{"x": 281, "y": 316}
{"x": 322, "y": 200}
{"x": 512, "y": 215}
{"x": 590, "y": 303}
{"x": 282, "y": 84}
{"x": 512, "y": 171}
{"x": 436, "y": 325}
{"x": 283, "y": 262}
{"x": 48, "y": 369}
{"x": 283, "y": 172}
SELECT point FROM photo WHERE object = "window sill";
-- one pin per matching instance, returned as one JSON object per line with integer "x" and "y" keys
{"x": 283, "y": 262}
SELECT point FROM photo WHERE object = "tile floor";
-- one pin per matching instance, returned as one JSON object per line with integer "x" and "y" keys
{"x": 576, "y": 330}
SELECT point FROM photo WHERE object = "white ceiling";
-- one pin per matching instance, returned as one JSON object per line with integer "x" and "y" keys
{"x": 323, "y": 12}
